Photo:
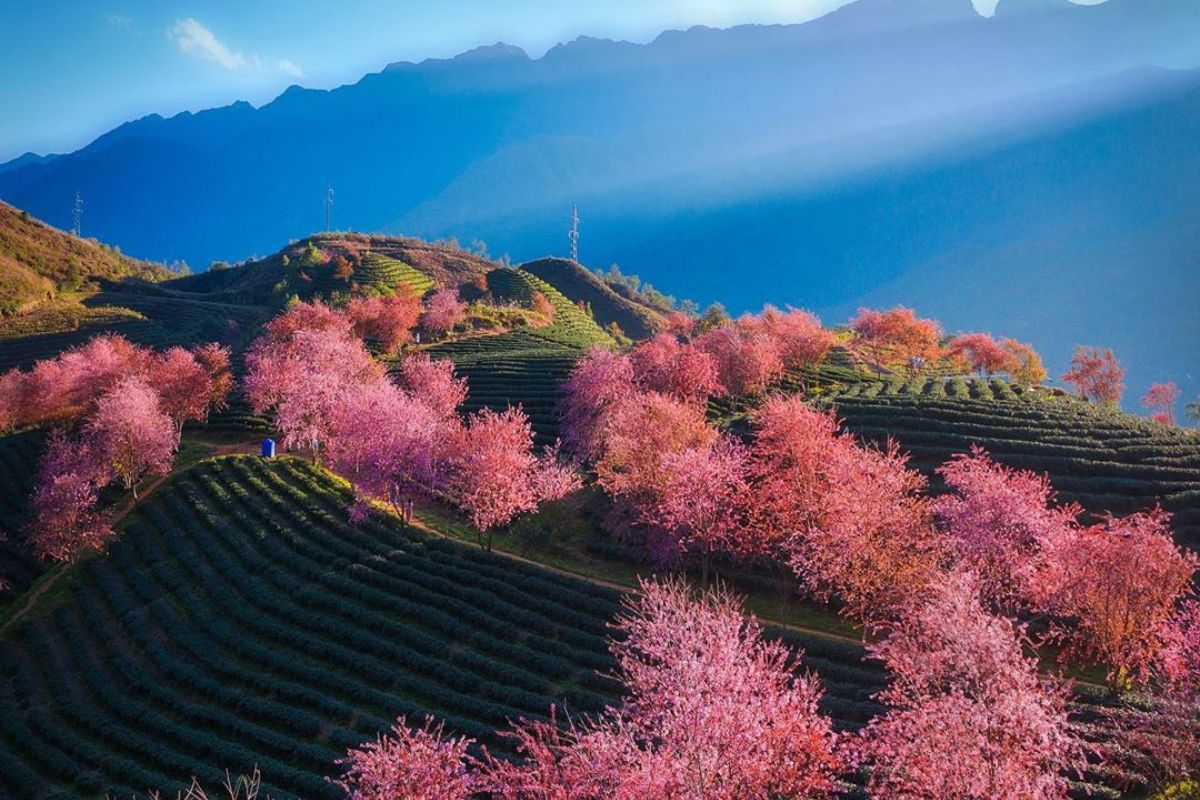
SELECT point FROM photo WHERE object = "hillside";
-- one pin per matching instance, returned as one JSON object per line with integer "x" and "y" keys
{"x": 305, "y": 268}
{"x": 38, "y": 262}
{"x": 242, "y": 617}
{"x": 577, "y": 283}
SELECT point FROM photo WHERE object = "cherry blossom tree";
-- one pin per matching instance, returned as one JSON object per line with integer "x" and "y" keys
{"x": 1179, "y": 659}
{"x": 797, "y": 334}
{"x": 1161, "y": 398}
{"x": 130, "y": 434}
{"x": 1114, "y": 588}
{"x": 63, "y": 505}
{"x": 410, "y": 764}
{"x": 746, "y": 363}
{"x": 970, "y": 716}
{"x": 598, "y": 382}
{"x": 433, "y": 383}
{"x": 1096, "y": 375}
{"x": 1025, "y": 364}
{"x": 896, "y": 338}
{"x": 1002, "y": 522}
{"x": 979, "y": 352}
{"x": 851, "y": 520}
{"x": 543, "y": 308}
{"x": 702, "y": 505}
{"x": 388, "y": 319}
{"x": 388, "y": 444}
{"x": 214, "y": 358}
{"x": 12, "y": 387}
{"x": 683, "y": 371}
{"x": 183, "y": 386}
{"x": 640, "y": 433}
{"x": 493, "y": 473}
{"x": 303, "y": 372}
{"x": 443, "y": 311}
{"x": 712, "y": 712}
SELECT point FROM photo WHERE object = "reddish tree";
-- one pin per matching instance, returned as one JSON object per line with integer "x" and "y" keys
{"x": 701, "y": 509}
{"x": 130, "y": 434}
{"x": 1025, "y": 364}
{"x": 343, "y": 270}
{"x": 183, "y": 386}
{"x": 683, "y": 371}
{"x": 897, "y": 338}
{"x": 214, "y": 358}
{"x": 314, "y": 316}
{"x": 63, "y": 504}
{"x": 970, "y": 714}
{"x": 443, "y": 312}
{"x": 979, "y": 352}
{"x": 599, "y": 381}
{"x": 852, "y": 520}
{"x": 433, "y": 383}
{"x": 1096, "y": 375}
{"x": 746, "y": 363}
{"x": 390, "y": 319}
{"x": 543, "y": 308}
{"x": 1161, "y": 399}
{"x": 1001, "y": 521}
{"x": 1115, "y": 587}
{"x": 410, "y": 764}
{"x": 798, "y": 335}
{"x": 640, "y": 433}
{"x": 12, "y": 390}
{"x": 1179, "y": 659}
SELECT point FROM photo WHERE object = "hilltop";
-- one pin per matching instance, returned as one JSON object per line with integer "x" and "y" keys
{"x": 38, "y": 262}
{"x": 636, "y": 319}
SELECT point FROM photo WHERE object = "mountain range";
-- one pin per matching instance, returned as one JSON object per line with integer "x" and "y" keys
{"x": 1035, "y": 171}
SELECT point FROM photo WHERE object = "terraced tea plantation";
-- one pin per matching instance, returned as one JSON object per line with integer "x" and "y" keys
{"x": 1103, "y": 460}
{"x": 379, "y": 270}
{"x": 519, "y": 368}
{"x": 19, "y": 455}
{"x": 241, "y": 620}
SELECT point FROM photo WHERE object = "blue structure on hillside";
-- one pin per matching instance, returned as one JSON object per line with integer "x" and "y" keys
{"x": 268, "y": 448}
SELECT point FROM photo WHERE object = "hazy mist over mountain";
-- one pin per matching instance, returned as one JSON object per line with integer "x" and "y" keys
{"x": 1006, "y": 172}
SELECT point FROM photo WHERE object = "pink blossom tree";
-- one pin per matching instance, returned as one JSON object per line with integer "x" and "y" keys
{"x": 683, "y": 371}
{"x": 1161, "y": 398}
{"x": 63, "y": 505}
{"x": 388, "y": 319}
{"x": 130, "y": 434}
{"x": 493, "y": 473}
{"x": 746, "y": 363}
{"x": 797, "y": 334}
{"x": 970, "y": 714}
{"x": 1113, "y": 589}
{"x": 443, "y": 312}
{"x": 410, "y": 764}
{"x": 712, "y": 712}
{"x": 1002, "y": 522}
{"x": 599, "y": 381}
{"x": 979, "y": 352}
{"x": 214, "y": 358}
{"x": 851, "y": 521}
{"x": 183, "y": 385}
{"x": 433, "y": 383}
{"x": 896, "y": 338}
{"x": 701, "y": 509}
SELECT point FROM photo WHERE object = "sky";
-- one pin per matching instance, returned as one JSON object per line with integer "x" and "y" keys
{"x": 77, "y": 68}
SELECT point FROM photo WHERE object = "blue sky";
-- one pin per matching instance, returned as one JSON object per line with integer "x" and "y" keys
{"x": 77, "y": 69}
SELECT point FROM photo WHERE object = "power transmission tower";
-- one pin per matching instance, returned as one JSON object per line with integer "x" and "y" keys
{"x": 574, "y": 234}
{"x": 328, "y": 204}
{"x": 77, "y": 213}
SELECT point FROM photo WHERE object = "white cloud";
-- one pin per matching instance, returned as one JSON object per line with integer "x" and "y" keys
{"x": 198, "y": 41}
{"x": 119, "y": 20}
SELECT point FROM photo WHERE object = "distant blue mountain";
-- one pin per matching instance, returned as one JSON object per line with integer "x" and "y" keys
{"x": 873, "y": 154}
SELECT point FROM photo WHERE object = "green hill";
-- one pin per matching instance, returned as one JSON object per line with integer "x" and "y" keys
{"x": 579, "y": 285}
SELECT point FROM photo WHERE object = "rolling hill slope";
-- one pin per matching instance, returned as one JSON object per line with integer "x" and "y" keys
{"x": 637, "y": 321}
